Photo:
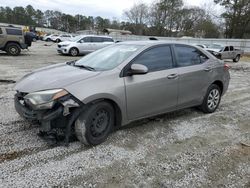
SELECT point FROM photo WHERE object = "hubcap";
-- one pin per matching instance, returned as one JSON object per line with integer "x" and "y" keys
{"x": 74, "y": 52}
{"x": 13, "y": 50}
{"x": 100, "y": 122}
{"x": 213, "y": 99}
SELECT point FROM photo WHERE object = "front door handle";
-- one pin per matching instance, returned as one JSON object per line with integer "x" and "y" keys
{"x": 172, "y": 76}
{"x": 208, "y": 69}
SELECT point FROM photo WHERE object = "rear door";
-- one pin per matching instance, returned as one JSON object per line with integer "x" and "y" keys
{"x": 2, "y": 37}
{"x": 156, "y": 91}
{"x": 232, "y": 53}
{"x": 97, "y": 43}
{"x": 194, "y": 71}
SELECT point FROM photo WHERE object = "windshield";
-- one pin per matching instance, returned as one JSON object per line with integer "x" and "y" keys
{"x": 75, "y": 39}
{"x": 109, "y": 57}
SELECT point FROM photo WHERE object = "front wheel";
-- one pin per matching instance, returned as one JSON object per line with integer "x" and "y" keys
{"x": 94, "y": 125}
{"x": 73, "y": 51}
{"x": 212, "y": 99}
{"x": 236, "y": 59}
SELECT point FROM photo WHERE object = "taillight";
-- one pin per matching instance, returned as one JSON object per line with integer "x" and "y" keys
{"x": 226, "y": 67}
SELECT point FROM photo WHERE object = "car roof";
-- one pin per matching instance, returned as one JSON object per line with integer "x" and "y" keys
{"x": 154, "y": 42}
{"x": 95, "y": 36}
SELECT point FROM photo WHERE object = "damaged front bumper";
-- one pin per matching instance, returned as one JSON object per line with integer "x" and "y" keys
{"x": 60, "y": 116}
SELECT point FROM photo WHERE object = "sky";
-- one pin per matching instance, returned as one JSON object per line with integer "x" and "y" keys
{"x": 104, "y": 8}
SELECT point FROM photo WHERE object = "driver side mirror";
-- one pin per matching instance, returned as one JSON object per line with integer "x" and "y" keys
{"x": 137, "y": 69}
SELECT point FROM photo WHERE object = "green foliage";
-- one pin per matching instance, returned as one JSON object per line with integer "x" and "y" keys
{"x": 162, "y": 18}
{"x": 237, "y": 17}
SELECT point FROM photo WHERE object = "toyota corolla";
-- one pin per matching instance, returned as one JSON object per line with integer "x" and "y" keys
{"x": 116, "y": 85}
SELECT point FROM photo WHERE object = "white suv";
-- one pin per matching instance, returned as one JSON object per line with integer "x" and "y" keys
{"x": 84, "y": 44}
{"x": 62, "y": 37}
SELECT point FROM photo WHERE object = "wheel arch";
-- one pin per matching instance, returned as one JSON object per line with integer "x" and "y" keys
{"x": 220, "y": 84}
{"x": 117, "y": 109}
{"x": 9, "y": 42}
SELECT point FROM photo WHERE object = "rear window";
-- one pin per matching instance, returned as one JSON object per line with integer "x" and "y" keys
{"x": 14, "y": 31}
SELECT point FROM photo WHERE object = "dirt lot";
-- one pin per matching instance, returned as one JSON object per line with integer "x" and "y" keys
{"x": 182, "y": 149}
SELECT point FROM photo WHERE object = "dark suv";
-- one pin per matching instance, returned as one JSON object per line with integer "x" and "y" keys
{"x": 12, "y": 40}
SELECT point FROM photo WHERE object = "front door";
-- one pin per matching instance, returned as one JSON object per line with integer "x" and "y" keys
{"x": 156, "y": 91}
{"x": 85, "y": 45}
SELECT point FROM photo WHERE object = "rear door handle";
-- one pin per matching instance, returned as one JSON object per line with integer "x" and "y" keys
{"x": 172, "y": 76}
{"x": 208, "y": 69}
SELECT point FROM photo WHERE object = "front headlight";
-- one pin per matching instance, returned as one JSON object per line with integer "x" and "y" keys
{"x": 44, "y": 99}
{"x": 64, "y": 45}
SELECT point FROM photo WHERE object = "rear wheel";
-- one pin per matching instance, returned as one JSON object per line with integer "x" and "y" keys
{"x": 236, "y": 59}
{"x": 74, "y": 51}
{"x": 212, "y": 99}
{"x": 13, "y": 49}
{"x": 94, "y": 125}
{"x": 58, "y": 40}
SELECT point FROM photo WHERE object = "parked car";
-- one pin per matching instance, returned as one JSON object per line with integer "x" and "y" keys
{"x": 84, "y": 44}
{"x": 13, "y": 40}
{"x": 225, "y": 52}
{"x": 61, "y": 38}
{"x": 49, "y": 37}
{"x": 119, "y": 84}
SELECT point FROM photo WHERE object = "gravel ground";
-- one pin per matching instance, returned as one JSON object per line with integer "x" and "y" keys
{"x": 181, "y": 149}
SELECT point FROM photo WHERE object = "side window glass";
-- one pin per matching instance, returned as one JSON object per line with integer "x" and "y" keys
{"x": 14, "y": 31}
{"x": 188, "y": 56}
{"x": 1, "y": 32}
{"x": 156, "y": 59}
{"x": 107, "y": 40}
{"x": 231, "y": 48}
{"x": 97, "y": 39}
{"x": 86, "y": 39}
{"x": 226, "y": 49}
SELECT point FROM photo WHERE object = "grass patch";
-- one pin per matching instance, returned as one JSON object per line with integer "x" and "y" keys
{"x": 246, "y": 58}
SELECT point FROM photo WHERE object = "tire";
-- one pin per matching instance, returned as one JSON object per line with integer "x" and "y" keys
{"x": 212, "y": 99}
{"x": 73, "y": 51}
{"x": 236, "y": 59}
{"x": 13, "y": 49}
{"x": 58, "y": 40}
{"x": 93, "y": 126}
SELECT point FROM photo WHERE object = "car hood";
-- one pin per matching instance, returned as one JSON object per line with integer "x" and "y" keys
{"x": 66, "y": 42}
{"x": 53, "y": 77}
{"x": 213, "y": 49}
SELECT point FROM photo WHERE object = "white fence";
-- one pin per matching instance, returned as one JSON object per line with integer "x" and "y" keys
{"x": 243, "y": 44}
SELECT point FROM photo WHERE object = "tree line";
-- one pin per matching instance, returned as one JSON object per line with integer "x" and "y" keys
{"x": 162, "y": 18}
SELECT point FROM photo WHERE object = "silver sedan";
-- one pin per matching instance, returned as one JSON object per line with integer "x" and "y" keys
{"x": 119, "y": 84}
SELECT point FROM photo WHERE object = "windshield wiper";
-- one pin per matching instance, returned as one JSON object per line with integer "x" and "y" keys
{"x": 71, "y": 62}
{"x": 85, "y": 67}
